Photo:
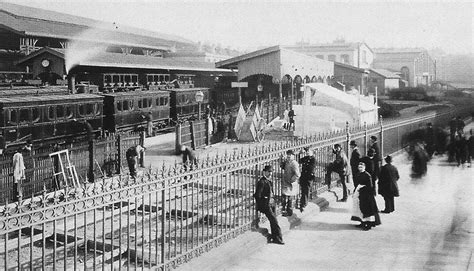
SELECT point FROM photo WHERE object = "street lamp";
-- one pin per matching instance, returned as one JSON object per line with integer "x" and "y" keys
{"x": 199, "y": 96}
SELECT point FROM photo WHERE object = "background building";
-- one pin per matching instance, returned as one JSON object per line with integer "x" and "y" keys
{"x": 357, "y": 54}
{"x": 414, "y": 65}
{"x": 383, "y": 80}
{"x": 347, "y": 77}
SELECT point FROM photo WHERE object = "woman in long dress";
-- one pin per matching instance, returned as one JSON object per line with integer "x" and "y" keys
{"x": 364, "y": 207}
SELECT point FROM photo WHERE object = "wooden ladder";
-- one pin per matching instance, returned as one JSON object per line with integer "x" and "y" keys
{"x": 66, "y": 171}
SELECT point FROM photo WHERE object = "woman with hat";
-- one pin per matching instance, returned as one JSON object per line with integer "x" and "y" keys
{"x": 364, "y": 207}
{"x": 388, "y": 187}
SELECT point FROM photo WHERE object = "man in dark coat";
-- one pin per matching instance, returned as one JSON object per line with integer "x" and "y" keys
{"x": 388, "y": 187}
{"x": 132, "y": 154}
{"x": 340, "y": 165}
{"x": 430, "y": 140}
{"x": 308, "y": 166}
{"x": 189, "y": 157}
{"x": 264, "y": 201}
{"x": 364, "y": 207}
{"x": 377, "y": 157}
{"x": 470, "y": 144}
{"x": 369, "y": 162}
{"x": 291, "y": 116}
{"x": 355, "y": 159}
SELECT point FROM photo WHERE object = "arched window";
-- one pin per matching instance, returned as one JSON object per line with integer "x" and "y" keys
{"x": 345, "y": 59}
{"x": 332, "y": 58}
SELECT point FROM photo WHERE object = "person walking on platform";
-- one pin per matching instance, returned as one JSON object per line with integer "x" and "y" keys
{"x": 369, "y": 163}
{"x": 470, "y": 144}
{"x": 354, "y": 160}
{"x": 189, "y": 157}
{"x": 132, "y": 155}
{"x": 291, "y": 173}
{"x": 388, "y": 186}
{"x": 265, "y": 204}
{"x": 291, "y": 116}
{"x": 377, "y": 157}
{"x": 364, "y": 207}
{"x": 430, "y": 140}
{"x": 308, "y": 166}
{"x": 18, "y": 172}
{"x": 340, "y": 165}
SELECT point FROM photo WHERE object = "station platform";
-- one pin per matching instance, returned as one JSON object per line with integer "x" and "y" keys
{"x": 431, "y": 229}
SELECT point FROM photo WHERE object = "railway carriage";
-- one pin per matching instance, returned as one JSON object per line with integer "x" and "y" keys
{"x": 48, "y": 118}
{"x": 128, "y": 111}
{"x": 184, "y": 104}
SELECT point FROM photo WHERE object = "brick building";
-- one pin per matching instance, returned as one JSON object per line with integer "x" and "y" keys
{"x": 414, "y": 65}
{"x": 357, "y": 54}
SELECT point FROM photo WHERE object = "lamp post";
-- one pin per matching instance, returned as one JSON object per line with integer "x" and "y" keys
{"x": 199, "y": 96}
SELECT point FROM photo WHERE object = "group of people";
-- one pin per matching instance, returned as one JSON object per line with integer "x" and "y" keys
{"x": 461, "y": 145}
{"x": 365, "y": 172}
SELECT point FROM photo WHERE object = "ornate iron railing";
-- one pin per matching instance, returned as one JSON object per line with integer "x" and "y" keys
{"x": 166, "y": 216}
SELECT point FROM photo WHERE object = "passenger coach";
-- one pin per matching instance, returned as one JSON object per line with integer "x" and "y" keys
{"x": 48, "y": 118}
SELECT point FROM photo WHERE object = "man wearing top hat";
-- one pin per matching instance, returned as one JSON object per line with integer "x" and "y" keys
{"x": 289, "y": 184}
{"x": 388, "y": 187}
{"x": 308, "y": 166}
{"x": 264, "y": 201}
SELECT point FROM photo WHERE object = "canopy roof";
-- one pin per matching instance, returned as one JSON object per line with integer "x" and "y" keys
{"x": 28, "y": 21}
{"x": 277, "y": 62}
{"x": 118, "y": 60}
{"x": 338, "y": 97}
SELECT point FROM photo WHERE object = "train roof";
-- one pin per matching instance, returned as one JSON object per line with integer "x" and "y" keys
{"x": 136, "y": 93}
{"x": 48, "y": 98}
{"x": 33, "y": 91}
{"x": 187, "y": 89}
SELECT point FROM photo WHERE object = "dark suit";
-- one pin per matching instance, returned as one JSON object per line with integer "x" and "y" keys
{"x": 263, "y": 194}
{"x": 388, "y": 187}
{"x": 354, "y": 161}
{"x": 370, "y": 168}
{"x": 377, "y": 160}
{"x": 308, "y": 165}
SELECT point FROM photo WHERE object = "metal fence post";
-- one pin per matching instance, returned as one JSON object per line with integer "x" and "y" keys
{"x": 365, "y": 138}
{"x": 193, "y": 136}
{"x": 381, "y": 137}
{"x": 119, "y": 154}
{"x": 348, "y": 138}
{"x": 178, "y": 140}
{"x": 142, "y": 154}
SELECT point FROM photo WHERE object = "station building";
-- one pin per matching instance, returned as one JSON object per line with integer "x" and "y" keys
{"x": 414, "y": 65}
{"x": 357, "y": 54}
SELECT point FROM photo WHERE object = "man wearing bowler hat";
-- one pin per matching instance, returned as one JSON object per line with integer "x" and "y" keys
{"x": 265, "y": 203}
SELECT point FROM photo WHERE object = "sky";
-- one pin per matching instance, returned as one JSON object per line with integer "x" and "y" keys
{"x": 247, "y": 25}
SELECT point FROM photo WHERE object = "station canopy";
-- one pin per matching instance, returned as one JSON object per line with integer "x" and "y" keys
{"x": 278, "y": 62}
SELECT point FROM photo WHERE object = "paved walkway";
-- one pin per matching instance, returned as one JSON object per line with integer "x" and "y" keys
{"x": 431, "y": 229}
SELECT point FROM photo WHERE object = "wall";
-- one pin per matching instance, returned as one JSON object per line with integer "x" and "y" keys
{"x": 349, "y": 77}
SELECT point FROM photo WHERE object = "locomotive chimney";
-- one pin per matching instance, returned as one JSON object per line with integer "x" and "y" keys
{"x": 71, "y": 83}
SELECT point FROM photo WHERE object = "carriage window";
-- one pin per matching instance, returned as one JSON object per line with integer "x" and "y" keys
{"x": 149, "y": 78}
{"x": 82, "y": 109}
{"x": 162, "y": 78}
{"x": 89, "y": 109}
{"x": 107, "y": 78}
{"x": 150, "y": 102}
{"x": 127, "y": 78}
{"x": 140, "y": 103}
{"x": 126, "y": 105}
{"x": 13, "y": 116}
{"x": 60, "y": 111}
{"x": 167, "y": 78}
{"x": 116, "y": 79}
{"x": 51, "y": 112}
{"x": 134, "y": 78}
{"x": 68, "y": 112}
{"x": 24, "y": 115}
{"x": 97, "y": 109}
{"x": 35, "y": 114}
{"x": 130, "y": 104}
{"x": 119, "y": 106}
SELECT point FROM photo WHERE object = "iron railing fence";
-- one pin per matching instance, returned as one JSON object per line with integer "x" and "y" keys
{"x": 166, "y": 216}
{"x": 39, "y": 166}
